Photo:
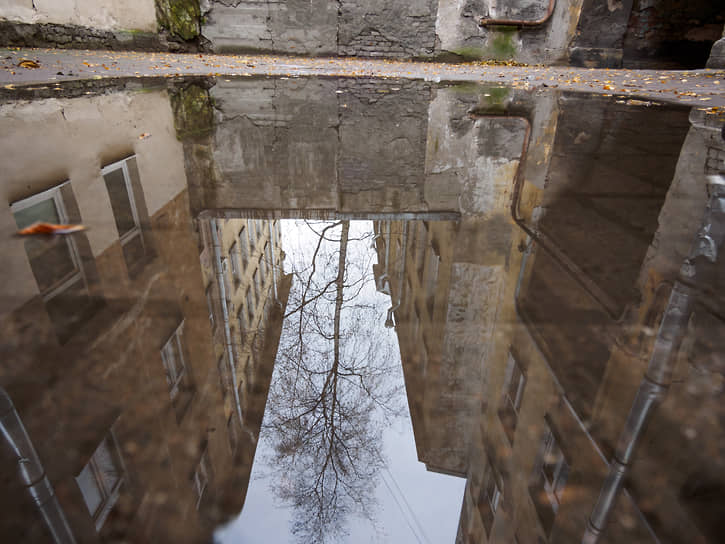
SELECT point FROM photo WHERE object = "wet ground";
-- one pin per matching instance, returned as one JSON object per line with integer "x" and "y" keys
{"x": 416, "y": 303}
{"x": 697, "y": 87}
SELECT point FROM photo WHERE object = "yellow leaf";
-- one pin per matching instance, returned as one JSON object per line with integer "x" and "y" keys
{"x": 29, "y": 64}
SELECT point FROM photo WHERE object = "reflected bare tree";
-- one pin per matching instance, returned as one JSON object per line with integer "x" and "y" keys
{"x": 332, "y": 390}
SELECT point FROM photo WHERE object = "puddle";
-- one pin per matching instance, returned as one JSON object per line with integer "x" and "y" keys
{"x": 359, "y": 310}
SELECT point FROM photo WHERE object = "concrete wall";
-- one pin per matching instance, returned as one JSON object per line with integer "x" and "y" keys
{"x": 420, "y": 28}
{"x": 101, "y": 14}
{"x": 345, "y": 145}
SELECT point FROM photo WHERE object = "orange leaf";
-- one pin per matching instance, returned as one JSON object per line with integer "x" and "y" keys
{"x": 50, "y": 228}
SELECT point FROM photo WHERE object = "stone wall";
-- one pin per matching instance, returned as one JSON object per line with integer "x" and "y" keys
{"x": 387, "y": 28}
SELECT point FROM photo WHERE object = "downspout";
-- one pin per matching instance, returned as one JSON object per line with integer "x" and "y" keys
{"x": 658, "y": 376}
{"x": 485, "y": 21}
{"x": 384, "y": 277}
{"x": 389, "y": 321}
{"x": 521, "y": 316}
{"x": 543, "y": 240}
{"x": 274, "y": 267}
{"x": 32, "y": 472}
{"x": 225, "y": 314}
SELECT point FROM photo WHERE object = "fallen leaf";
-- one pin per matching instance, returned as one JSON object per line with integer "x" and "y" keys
{"x": 49, "y": 228}
{"x": 29, "y": 64}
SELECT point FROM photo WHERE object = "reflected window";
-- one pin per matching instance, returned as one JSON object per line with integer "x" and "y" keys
{"x": 100, "y": 480}
{"x": 262, "y": 270}
{"x": 177, "y": 371}
{"x": 227, "y": 283}
{"x": 210, "y": 304}
{"x": 268, "y": 253}
{"x": 233, "y": 433}
{"x": 224, "y": 377}
{"x": 252, "y": 231}
{"x": 242, "y": 325}
{"x": 489, "y": 497}
{"x": 118, "y": 179}
{"x": 243, "y": 247}
{"x": 55, "y": 260}
{"x": 235, "y": 257}
{"x": 513, "y": 392}
{"x": 551, "y": 473}
{"x": 250, "y": 307}
{"x": 257, "y": 287}
{"x": 200, "y": 479}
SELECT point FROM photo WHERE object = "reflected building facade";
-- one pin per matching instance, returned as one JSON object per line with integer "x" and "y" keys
{"x": 619, "y": 220}
{"x": 115, "y": 406}
{"x": 530, "y": 244}
{"x": 527, "y": 323}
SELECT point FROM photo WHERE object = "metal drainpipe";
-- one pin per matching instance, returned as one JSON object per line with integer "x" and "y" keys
{"x": 389, "y": 321}
{"x": 543, "y": 240}
{"x": 31, "y": 471}
{"x": 658, "y": 376}
{"x": 384, "y": 277}
{"x": 274, "y": 267}
{"x": 225, "y": 313}
{"x": 485, "y": 21}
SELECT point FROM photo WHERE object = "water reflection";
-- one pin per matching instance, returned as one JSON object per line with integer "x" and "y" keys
{"x": 550, "y": 269}
{"x": 332, "y": 394}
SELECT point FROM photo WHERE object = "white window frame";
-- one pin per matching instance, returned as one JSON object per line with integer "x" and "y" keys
{"x": 174, "y": 381}
{"x": 492, "y": 498}
{"x": 136, "y": 231}
{"x": 55, "y": 195}
{"x": 210, "y": 304}
{"x": 109, "y": 497}
{"x": 200, "y": 480}
{"x": 513, "y": 367}
{"x": 554, "y": 488}
{"x": 227, "y": 283}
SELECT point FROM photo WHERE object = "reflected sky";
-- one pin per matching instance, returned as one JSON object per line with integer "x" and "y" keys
{"x": 402, "y": 488}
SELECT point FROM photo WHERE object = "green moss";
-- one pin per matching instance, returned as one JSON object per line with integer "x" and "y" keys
{"x": 496, "y": 95}
{"x": 502, "y": 45}
{"x": 180, "y": 17}
{"x": 193, "y": 111}
{"x": 470, "y": 53}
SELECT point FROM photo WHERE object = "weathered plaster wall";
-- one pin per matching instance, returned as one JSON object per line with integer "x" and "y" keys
{"x": 459, "y": 31}
{"x": 291, "y": 26}
{"x": 101, "y": 14}
{"x": 72, "y": 140}
{"x": 312, "y": 144}
{"x": 321, "y": 27}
